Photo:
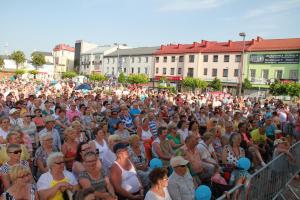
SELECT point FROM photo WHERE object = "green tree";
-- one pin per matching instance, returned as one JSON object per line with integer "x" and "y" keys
{"x": 163, "y": 79}
{"x": 194, "y": 83}
{"x": 38, "y": 59}
{"x": 33, "y": 72}
{"x": 1, "y": 63}
{"x": 293, "y": 89}
{"x": 18, "y": 57}
{"x": 69, "y": 74}
{"x": 246, "y": 84}
{"x": 20, "y": 72}
{"x": 277, "y": 88}
{"x": 137, "y": 79}
{"x": 216, "y": 84}
{"x": 122, "y": 78}
{"x": 97, "y": 77}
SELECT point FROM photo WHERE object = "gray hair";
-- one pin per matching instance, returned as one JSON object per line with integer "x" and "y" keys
{"x": 51, "y": 158}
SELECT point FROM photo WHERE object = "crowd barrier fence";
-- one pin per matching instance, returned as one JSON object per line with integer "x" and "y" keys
{"x": 271, "y": 181}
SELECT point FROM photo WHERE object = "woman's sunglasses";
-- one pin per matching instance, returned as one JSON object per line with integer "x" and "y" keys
{"x": 16, "y": 152}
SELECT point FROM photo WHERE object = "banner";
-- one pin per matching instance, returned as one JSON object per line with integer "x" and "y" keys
{"x": 289, "y": 58}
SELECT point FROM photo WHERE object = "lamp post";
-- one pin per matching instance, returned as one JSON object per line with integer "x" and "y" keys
{"x": 242, "y": 34}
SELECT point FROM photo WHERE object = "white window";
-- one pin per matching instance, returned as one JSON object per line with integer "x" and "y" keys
{"x": 172, "y": 71}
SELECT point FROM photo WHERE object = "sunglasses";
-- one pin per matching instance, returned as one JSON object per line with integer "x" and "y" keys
{"x": 59, "y": 163}
{"x": 181, "y": 166}
{"x": 16, "y": 152}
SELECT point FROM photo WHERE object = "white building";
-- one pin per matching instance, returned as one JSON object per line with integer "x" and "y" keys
{"x": 130, "y": 61}
{"x": 64, "y": 59}
{"x": 92, "y": 60}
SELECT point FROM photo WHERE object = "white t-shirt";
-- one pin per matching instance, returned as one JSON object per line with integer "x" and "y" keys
{"x": 3, "y": 133}
{"x": 205, "y": 151}
{"x": 152, "y": 196}
{"x": 45, "y": 180}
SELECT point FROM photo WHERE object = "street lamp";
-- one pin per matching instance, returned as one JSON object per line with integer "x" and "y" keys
{"x": 242, "y": 34}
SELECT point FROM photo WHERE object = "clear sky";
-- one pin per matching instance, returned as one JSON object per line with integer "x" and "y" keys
{"x": 41, "y": 24}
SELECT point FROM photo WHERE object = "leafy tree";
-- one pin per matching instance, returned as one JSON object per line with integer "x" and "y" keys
{"x": 137, "y": 79}
{"x": 20, "y": 72}
{"x": 97, "y": 77}
{"x": 1, "y": 63}
{"x": 33, "y": 72}
{"x": 172, "y": 89}
{"x": 163, "y": 79}
{"x": 293, "y": 89}
{"x": 247, "y": 84}
{"x": 216, "y": 84}
{"x": 122, "y": 78}
{"x": 277, "y": 88}
{"x": 38, "y": 59}
{"x": 18, "y": 57}
{"x": 194, "y": 83}
{"x": 69, "y": 74}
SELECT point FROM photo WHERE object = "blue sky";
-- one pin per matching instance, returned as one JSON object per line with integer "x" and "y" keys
{"x": 41, "y": 24}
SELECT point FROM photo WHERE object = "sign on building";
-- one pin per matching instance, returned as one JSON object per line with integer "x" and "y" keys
{"x": 289, "y": 58}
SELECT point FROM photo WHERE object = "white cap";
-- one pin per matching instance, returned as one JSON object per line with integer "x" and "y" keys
{"x": 12, "y": 111}
{"x": 178, "y": 161}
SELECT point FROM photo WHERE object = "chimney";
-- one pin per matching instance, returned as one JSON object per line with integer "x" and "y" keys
{"x": 161, "y": 47}
{"x": 252, "y": 41}
{"x": 195, "y": 44}
{"x": 229, "y": 43}
{"x": 259, "y": 39}
{"x": 178, "y": 46}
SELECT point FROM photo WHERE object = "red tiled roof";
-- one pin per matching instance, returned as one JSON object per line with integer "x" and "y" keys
{"x": 64, "y": 47}
{"x": 204, "y": 46}
{"x": 258, "y": 44}
{"x": 275, "y": 44}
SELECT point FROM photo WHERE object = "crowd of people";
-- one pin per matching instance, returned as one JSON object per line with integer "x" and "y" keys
{"x": 132, "y": 143}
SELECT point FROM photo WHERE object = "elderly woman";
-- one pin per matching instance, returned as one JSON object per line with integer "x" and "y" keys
{"x": 137, "y": 155}
{"x": 14, "y": 137}
{"x": 28, "y": 127}
{"x": 159, "y": 180}
{"x": 82, "y": 148}
{"x": 81, "y": 136}
{"x": 93, "y": 177}
{"x": 174, "y": 137}
{"x": 124, "y": 176}
{"x": 43, "y": 152}
{"x": 55, "y": 183}
{"x": 109, "y": 157}
{"x": 100, "y": 142}
{"x": 161, "y": 147}
{"x": 4, "y": 128}
{"x": 145, "y": 134}
{"x": 22, "y": 187}
{"x": 122, "y": 132}
{"x": 233, "y": 152}
{"x": 14, "y": 153}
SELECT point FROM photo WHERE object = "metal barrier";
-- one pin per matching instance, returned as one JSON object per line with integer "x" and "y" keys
{"x": 270, "y": 181}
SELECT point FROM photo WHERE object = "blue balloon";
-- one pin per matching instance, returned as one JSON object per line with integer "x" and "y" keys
{"x": 203, "y": 192}
{"x": 156, "y": 163}
{"x": 244, "y": 163}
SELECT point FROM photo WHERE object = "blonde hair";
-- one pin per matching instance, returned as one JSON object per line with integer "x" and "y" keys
{"x": 67, "y": 131}
{"x": 75, "y": 123}
{"x": 132, "y": 138}
{"x": 10, "y": 134}
{"x": 12, "y": 146}
{"x": 17, "y": 171}
{"x": 113, "y": 138}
